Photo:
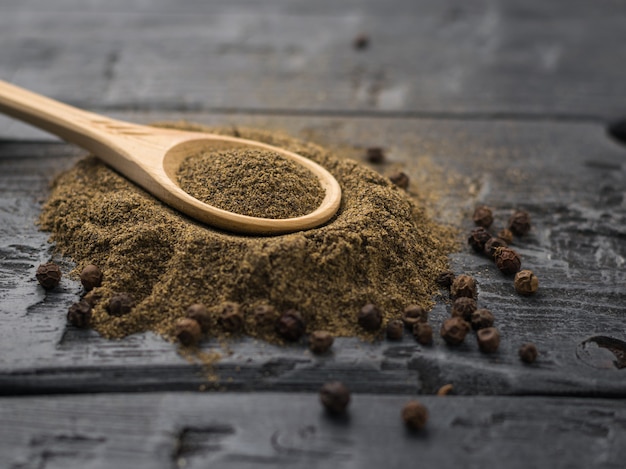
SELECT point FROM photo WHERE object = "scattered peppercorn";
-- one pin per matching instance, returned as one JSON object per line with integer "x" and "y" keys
{"x": 492, "y": 245}
{"x": 48, "y": 275}
{"x": 488, "y": 339}
{"x": 464, "y": 285}
{"x": 400, "y": 179}
{"x": 481, "y": 319}
{"x": 423, "y": 333}
{"x": 120, "y": 304}
{"x": 375, "y": 155}
{"x": 506, "y": 235}
{"x": 519, "y": 223}
{"x": 370, "y": 318}
{"x": 361, "y": 42}
{"x": 413, "y": 314}
{"x": 79, "y": 314}
{"x": 320, "y": 342}
{"x": 528, "y": 353}
{"x": 395, "y": 329}
{"x": 477, "y": 239}
{"x": 335, "y": 397}
{"x": 445, "y": 390}
{"x": 91, "y": 277}
{"x": 463, "y": 307}
{"x": 483, "y": 216}
{"x": 445, "y": 279}
{"x": 231, "y": 317}
{"x": 199, "y": 313}
{"x": 454, "y": 330}
{"x": 415, "y": 415}
{"x": 507, "y": 260}
{"x": 188, "y": 331}
{"x": 291, "y": 325}
{"x": 526, "y": 282}
{"x": 265, "y": 316}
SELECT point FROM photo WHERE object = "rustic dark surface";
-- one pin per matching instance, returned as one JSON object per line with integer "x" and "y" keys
{"x": 504, "y": 103}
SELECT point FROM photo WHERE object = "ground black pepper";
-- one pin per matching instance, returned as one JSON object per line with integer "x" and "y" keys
{"x": 168, "y": 262}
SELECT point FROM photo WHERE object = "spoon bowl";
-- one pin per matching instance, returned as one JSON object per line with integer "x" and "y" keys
{"x": 151, "y": 156}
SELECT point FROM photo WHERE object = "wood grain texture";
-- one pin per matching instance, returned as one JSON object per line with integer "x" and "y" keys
{"x": 570, "y": 177}
{"x": 194, "y": 430}
{"x": 427, "y": 58}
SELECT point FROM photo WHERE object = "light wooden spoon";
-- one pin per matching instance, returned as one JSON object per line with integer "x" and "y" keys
{"x": 150, "y": 157}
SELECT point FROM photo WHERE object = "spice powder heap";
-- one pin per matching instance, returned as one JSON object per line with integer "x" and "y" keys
{"x": 380, "y": 248}
{"x": 251, "y": 182}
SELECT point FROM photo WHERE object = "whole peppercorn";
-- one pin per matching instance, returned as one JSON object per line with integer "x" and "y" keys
{"x": 231, "y": 317}
{"x": 415, "y": 415}
{"x": 370, "y": 318}
{"x": 335, "y": 397}
{"x": 481, "y": 319}
{"x": 91, "y": 277}
{"x": 463, "y": 307}
{"x": 48, "y": 275}
{"x": 423, "y": 333}
{"x": 492, "y": 245}
{"x": 320, "y": 342}
{"x": 199, "y": 313}
{"x": 488, "y": 339}
{"x": 477, "y": 239}
{"x": 291, "y": 326}
{"x": 463, "y": 285}
{"x": 188, "y": 331}
{"x": 445, "y": 279}
{"x": 361, "y": 42}
{"x": 526, "y": 282}
{"x": 400, "y": 179}
{"x": 395, "y": 329}
{"x": 454, "y": 330}
{"x": 79, "y": 314}
{"x": 265, "y": 316}
{"x": 507, "y": 260}
{"x": 506, "y": 235}
{"x": 375, "y": 155}
{"x": 120, "y": 304}
{"x": 519, "y": 223}
{"x": 483, "y": 216}
{"x": 528, "y": 353}
{"x": 413, "y": 314}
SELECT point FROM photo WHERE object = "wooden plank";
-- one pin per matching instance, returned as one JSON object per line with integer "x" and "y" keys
{"x": 427, "y": 58}
{"x": 233, "y": 430}
{"x": 570, "y": 177}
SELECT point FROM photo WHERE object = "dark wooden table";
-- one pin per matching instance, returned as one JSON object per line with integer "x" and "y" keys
{"x": 510, "y": 103}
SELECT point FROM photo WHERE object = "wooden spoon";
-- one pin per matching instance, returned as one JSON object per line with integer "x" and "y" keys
{"x": 150, "y": 157}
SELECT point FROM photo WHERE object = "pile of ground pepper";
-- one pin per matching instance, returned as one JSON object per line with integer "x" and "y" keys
{"x": 380, "y": 248}
{"x": 251, "y": 182}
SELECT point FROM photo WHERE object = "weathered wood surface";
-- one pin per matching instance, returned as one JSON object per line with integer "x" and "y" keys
{"x": 534, "y": 59}
{"x": 570, "y": 176}
{"x": 193, "y": 430}
{"x": 499, "y": 102}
